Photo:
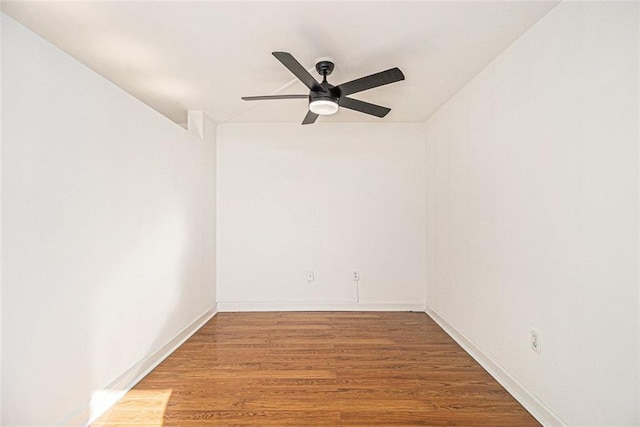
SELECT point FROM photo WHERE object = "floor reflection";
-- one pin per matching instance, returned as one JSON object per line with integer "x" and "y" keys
{"x": 137, "y": 407}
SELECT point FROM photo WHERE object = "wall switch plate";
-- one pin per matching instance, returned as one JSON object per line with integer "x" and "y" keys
{"x": 535, "y": 341}
{"x": 310, "y": 276}
{"x": 355, "y": 276}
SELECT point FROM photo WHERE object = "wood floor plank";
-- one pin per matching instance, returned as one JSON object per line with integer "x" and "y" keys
{"x": 318, "y": 368}
{"x": 251, "y": 418}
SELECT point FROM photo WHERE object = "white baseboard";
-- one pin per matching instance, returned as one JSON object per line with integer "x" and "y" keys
{"x": 231, "y": 306}
{"x": 539, "y": 410}
{"x": 105, "y": 398}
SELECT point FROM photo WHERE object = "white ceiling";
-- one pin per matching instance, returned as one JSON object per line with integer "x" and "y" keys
{"x": 204, "y": 55}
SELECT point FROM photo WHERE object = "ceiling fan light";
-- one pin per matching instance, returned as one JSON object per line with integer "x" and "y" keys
{"x": 323, "y": 107}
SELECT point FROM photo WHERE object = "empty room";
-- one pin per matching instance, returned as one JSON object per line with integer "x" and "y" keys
{"x": 320, "y": 213}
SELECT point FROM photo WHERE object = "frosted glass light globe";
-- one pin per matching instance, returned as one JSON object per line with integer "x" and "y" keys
{"x": 323, "y": 107}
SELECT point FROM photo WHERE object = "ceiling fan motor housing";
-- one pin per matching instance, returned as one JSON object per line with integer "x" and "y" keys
{"x": 327, "y": 93}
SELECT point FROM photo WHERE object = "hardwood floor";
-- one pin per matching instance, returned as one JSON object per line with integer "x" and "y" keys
{"x": 318, "y": 368}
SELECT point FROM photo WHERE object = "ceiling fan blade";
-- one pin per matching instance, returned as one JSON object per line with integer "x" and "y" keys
{"x": 310, "y": 118}
{"x": 298, "y": 70}
{"x": 260, "y": 98}
{"x": 364, "y": 107}
{"x": 374, "y": 80}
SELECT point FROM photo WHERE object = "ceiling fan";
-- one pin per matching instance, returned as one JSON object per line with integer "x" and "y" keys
{"x": 324, "y": 98}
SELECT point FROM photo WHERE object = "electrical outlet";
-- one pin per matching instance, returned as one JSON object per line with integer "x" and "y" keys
{"x": 355, "y": 276}
{"x": 535, "y": 341}
{"x": 310, "y": 277}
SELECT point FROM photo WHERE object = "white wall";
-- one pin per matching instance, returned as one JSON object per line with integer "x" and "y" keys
{"x": 108, "y": 227}
{"x": 329, "y": 198}
{"x": 533, "y": 212}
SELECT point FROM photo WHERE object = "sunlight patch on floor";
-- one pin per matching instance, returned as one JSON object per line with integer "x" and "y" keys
{"x": 137, "y": 407}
